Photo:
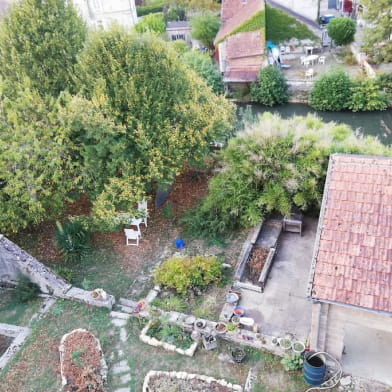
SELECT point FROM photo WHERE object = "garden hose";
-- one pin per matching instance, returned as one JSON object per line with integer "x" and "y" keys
{"x": 335, "y": 378}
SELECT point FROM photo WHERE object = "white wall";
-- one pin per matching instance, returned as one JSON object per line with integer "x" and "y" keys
{"x": 306, "y": 8}
{"x": 102, "y": 13}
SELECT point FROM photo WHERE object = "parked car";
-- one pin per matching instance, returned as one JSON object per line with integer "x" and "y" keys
{"x": 325, "y": 19}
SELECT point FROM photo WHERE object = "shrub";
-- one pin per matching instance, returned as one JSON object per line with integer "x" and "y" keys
{"x": 26, "y": 290}
{"x": 366, "y": 95}
{"x": 72, "y": 240}
{"x": 141, "y": 11}
{"x": 384, "y": 83}
{"x": 271, "y": 89}
{"x": 66, "y": 273}
{"x": 175, "y": 12}
{"x": 273, "y": 165}
{"x": 332, "y": 91}
{"x": 184, "y": 273}
{"x": 341, "y": 30}
{"x": 170, "y": 334}
{"x": 292, "y": 362}
{"x": 154, "y": 23}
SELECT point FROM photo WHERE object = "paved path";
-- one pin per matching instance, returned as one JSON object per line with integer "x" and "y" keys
{"x": 120, "y": 369}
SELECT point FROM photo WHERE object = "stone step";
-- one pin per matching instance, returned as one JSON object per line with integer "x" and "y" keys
{"x": 122, "y": 390}
{"x": 120, "y": 367}
{"x": 127, "y": 302}
{"x": 119, "y": 315}
{"x": 125, "y": 309}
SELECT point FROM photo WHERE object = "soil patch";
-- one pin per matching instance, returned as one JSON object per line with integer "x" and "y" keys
{"x": 5, "y": 342}
{"x": 255, "y": 264}
{"x": 164, "y": 383}
{"x": 81, "y": 363}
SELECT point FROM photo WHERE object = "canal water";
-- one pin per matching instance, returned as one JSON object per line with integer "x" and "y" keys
{"x": 378, "y": 124}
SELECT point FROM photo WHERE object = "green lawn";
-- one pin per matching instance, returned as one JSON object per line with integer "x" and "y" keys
{"x": 282, "y": 27}
{"x": 35, "y": 368}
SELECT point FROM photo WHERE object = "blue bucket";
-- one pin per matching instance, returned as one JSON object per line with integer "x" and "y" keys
{"x": 180, "y": 243}
{"x": 314, "y": 368}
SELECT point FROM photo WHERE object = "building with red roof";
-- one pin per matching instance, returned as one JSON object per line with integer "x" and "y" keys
{"x": 351, "y": 275}
{"x": 241, "y": 39}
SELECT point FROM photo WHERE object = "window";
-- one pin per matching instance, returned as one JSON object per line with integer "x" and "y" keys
{"x": 175, "y": 37}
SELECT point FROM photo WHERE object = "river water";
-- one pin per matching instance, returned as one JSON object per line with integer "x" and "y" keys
{"x": 378, "y": 124}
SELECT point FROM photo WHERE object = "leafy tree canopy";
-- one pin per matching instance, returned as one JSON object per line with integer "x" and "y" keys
{"x": 341, "y": 30}
{"x": 378, "y": 42}
{"x": 271, "y": 88}
{"x": 36, "y": 169}
{"x": 167, "y": 114}
{"x": 204, "y": 27}
{"x": 202, "y": 64}
{"x": 40, "y": 40}
{"x": 273, "y": 165}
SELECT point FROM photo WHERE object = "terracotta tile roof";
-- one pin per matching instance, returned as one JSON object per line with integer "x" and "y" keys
{"x": 244, "y": 45}
{"x": 234, "y": 13}
{"x": 353, "y": 259}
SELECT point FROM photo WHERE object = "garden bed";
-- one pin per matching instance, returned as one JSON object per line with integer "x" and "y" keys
{"x": 169, "y": 337}
{"x": 83, "y": 367}
{"x": 182, "y": 381}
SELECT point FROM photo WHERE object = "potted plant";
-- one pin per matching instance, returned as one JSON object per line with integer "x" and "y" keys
{"x": 99, "y": 294}
{"x": 231, "y": 327}
{"x": 285, "y": 343}
{"x": 298, "y": 347}
{"x": 200, "y": 323}
{"x": 235, "y": 320}
{"x": 274, "y": 341}
{"x": 238, "y": 354}
{"x": 221, "y": 327}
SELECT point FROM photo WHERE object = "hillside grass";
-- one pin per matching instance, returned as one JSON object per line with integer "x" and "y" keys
{"x": 282, "y": 27}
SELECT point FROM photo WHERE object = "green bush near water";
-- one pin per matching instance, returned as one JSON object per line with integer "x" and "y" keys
{"x": 275, "y": 164}
{"x": 271, "y": 88}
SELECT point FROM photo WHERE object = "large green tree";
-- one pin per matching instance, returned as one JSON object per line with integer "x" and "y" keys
{"x": 36, "y": 169}
{"x": 204, "y": 27}
{"x": 378, "y": 36}
{"x": 168, "y": 114}
{"x": 40, "y": 40}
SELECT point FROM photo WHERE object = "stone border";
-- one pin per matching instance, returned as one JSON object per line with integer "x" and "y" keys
{"x": 188, "y": 376}
{"x": 167, "y": 346}
{"x": 19, "y": 334}
{"x": 103, "y": 368}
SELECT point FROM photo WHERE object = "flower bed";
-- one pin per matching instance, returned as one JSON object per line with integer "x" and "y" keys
{"x": 83, "y": 367}
{"x": 170, "y": 337}
{"x": 181, "y": 381}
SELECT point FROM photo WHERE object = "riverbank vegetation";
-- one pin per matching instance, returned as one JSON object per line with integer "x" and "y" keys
{"x": 273, "y": 166}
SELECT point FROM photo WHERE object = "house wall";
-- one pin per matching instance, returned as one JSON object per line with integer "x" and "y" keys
{"x": 330, "y": 323}
{"x": 250, "y": 61}
{"x": 306, "y": 8}
{"x": 102, "y": 13}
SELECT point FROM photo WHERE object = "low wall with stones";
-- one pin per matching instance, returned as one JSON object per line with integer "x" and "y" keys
{"x": 14, "y": 260}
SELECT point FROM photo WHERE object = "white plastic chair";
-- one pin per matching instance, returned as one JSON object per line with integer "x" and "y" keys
{"x": 309, "y": 74}
{"x": 136, "y": 222}
{"x": 321, "y": 60}
{"x": 142, "y": 207}
{"x": 132, "y": 235}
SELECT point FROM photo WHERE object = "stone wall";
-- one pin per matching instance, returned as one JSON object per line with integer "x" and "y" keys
{"x": 14, "y": 260}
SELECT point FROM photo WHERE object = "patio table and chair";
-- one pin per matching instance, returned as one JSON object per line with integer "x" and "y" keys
{"x": 133, "y": 236}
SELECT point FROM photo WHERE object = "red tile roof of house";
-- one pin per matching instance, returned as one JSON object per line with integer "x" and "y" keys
{"x": 234, "y": 13}
{"x": 245, "y": 45}
{"x": 353, "y": 256}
